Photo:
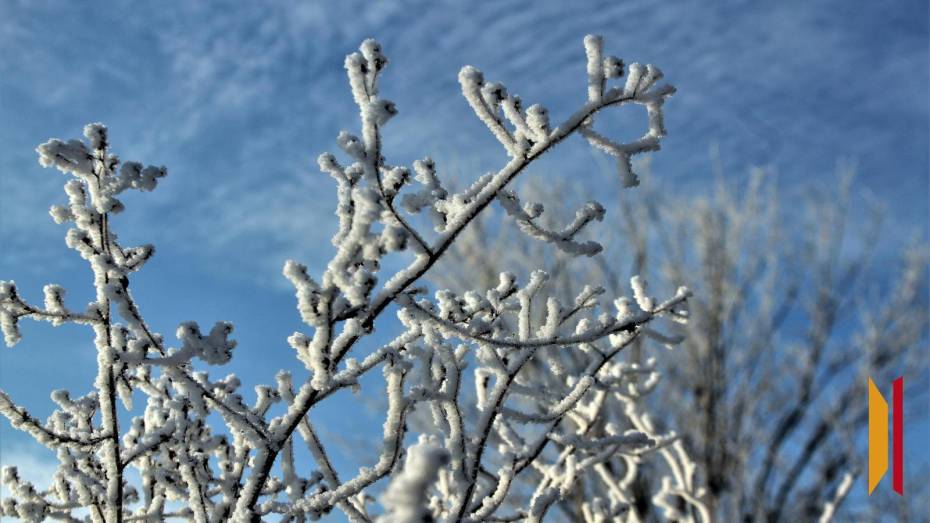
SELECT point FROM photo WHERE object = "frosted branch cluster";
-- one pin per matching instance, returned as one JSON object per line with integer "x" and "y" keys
{"x": 483, "y": 347}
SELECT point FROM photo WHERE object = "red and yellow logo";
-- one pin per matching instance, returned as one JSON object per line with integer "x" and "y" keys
{"x": 878, "y": 436}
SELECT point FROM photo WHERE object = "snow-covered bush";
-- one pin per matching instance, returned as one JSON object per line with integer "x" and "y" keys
{"x": 587, "y": 421}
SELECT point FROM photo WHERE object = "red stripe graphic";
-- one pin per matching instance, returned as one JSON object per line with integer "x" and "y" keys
{"x": 897, "y": 422}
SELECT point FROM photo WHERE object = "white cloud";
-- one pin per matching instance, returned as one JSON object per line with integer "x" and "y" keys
{"x": 237, "y": 101}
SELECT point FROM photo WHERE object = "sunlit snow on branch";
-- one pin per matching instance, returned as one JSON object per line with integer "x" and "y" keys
{"x": 467, "y": 463}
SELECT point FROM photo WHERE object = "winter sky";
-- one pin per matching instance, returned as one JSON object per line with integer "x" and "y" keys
{"x": 237, "y": 99}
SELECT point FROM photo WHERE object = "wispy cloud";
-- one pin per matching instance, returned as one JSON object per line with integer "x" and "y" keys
{"x": 238, "y": 101}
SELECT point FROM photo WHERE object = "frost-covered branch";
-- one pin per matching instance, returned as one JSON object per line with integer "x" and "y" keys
{"x": 469, "y": 462}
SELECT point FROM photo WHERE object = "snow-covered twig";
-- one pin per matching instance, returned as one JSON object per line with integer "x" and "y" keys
{"x": 464, "y": 467}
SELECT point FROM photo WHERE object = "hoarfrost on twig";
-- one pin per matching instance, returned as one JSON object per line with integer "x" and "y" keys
{"x": 470, "y": 464}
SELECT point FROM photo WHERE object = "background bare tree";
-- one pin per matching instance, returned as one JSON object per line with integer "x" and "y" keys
{"x": 789, "y": 317}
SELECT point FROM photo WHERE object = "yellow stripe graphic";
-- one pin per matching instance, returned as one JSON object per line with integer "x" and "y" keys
{"x": 878, "y": 436}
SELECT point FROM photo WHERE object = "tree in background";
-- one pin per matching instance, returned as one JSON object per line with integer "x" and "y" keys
{"x": 788, "y": 319}
{"x": 549, "y": 416}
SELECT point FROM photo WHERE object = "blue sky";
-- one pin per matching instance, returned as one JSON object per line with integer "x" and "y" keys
{"x": 238, "y": 99}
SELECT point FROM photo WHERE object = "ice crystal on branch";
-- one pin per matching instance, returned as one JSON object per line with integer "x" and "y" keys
{"x": 468, "y": 464}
